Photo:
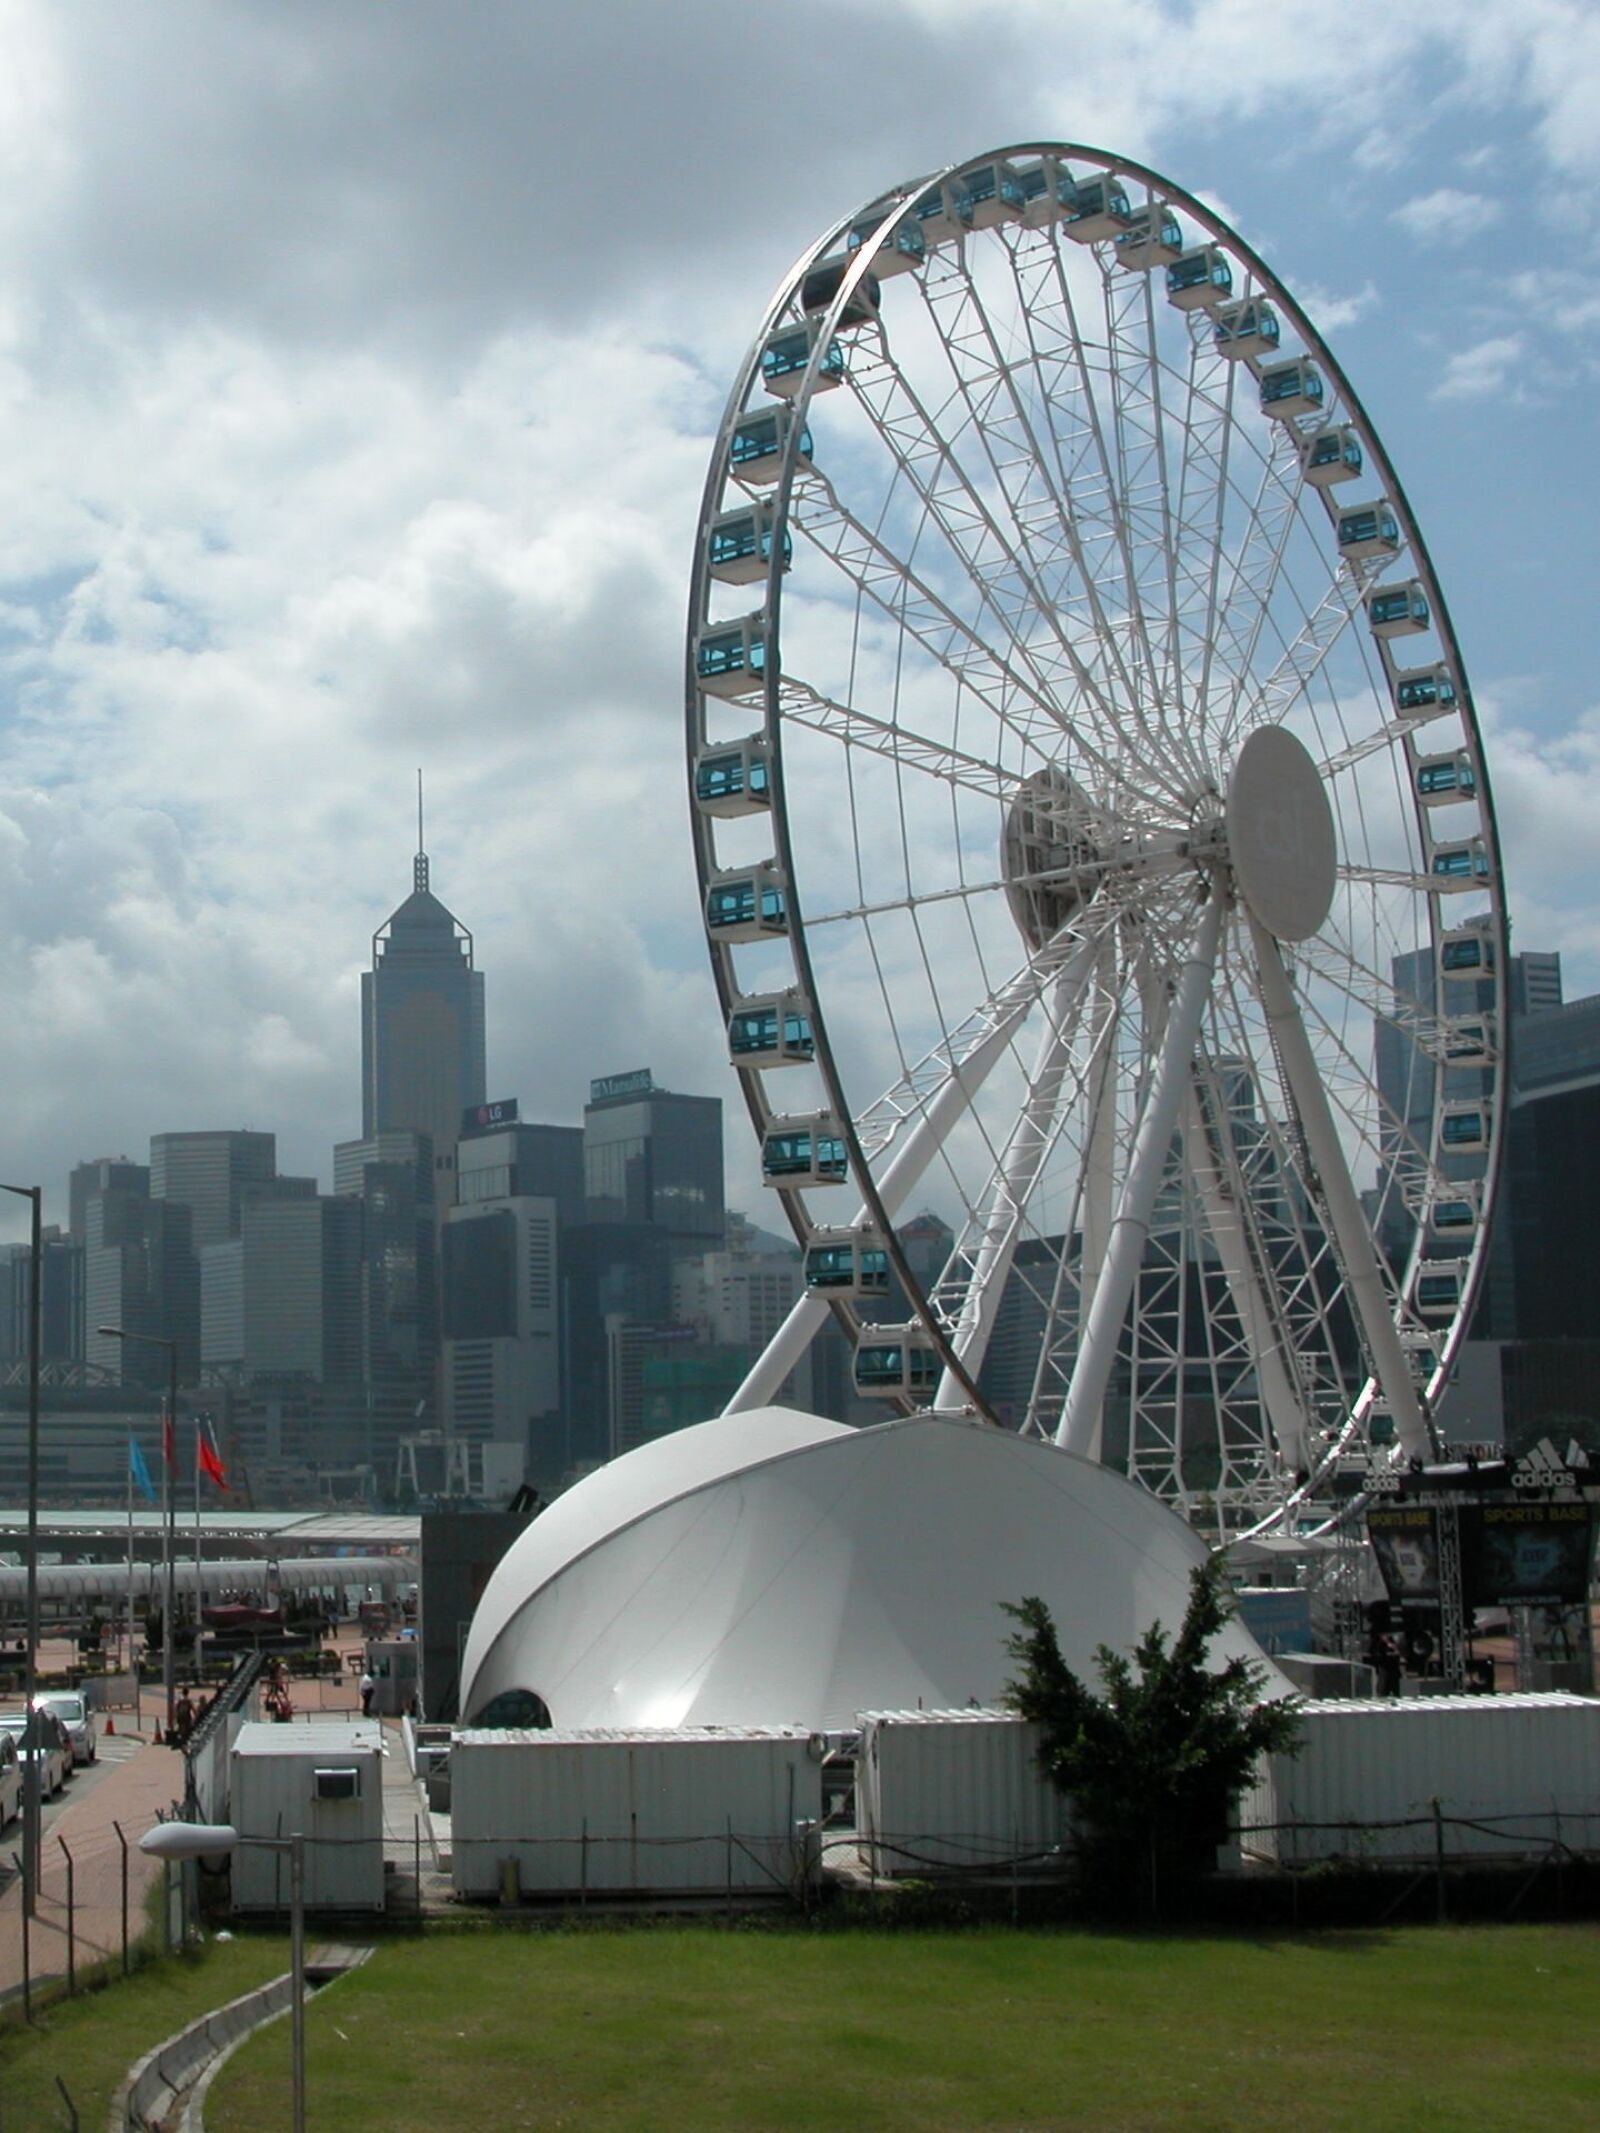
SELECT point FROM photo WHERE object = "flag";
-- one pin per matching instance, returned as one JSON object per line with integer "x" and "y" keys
{"x": 138, "y": 1469}
{"x": 169, "y": 1439}
{"x": 206, "y": 1455}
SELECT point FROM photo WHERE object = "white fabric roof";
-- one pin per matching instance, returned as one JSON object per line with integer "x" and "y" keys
{"x": 770, "y": 1569}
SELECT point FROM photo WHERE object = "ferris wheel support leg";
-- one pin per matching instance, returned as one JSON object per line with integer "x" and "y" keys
{"x": 1079, "y": 1427}
{"x": 1351, "y": 1233}
{"x": 809, "y": 1311}
{"x": 1221, "y": 1198}
{"x": 1013, "y": 1182}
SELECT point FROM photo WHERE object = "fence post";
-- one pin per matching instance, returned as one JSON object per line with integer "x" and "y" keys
{"x": 416, "y": 1860}
{"x": 583, "y": 1867}
{"x": 72, "y": 2108}
{"x": 728, "y": 1869}
{"x": 123, "y": 1842}
{"x": 72, "y": 1918}
{"x": 1438, "y": 1861}
{"x": 20, "y": 1861}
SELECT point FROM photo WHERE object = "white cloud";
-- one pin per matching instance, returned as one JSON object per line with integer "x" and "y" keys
{"x": 1474, "y": 373}
{"x": 1447, "y": 216}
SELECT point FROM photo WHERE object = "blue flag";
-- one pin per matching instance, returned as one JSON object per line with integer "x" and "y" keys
{"x": 138, "y": 1469}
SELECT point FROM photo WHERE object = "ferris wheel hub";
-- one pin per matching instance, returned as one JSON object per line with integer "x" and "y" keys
{"x": 1280, "y": 834}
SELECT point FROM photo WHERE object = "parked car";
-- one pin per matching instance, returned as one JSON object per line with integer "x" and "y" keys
{"x": 74, "y": 1713}
{"x": 10, "y": 1780}
{"x": 43, "y": 1735}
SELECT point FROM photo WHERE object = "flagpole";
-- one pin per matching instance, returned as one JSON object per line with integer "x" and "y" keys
{"x": 197, "y": 1428}
{"x": 130, "y": 1569}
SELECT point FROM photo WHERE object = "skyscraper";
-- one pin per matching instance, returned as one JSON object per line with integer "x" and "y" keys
{"x": 213, "y": 1174}
{"x": 422, "y": 1056}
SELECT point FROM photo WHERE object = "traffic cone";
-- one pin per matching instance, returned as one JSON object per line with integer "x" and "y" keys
{"x": 111, "y": 1724}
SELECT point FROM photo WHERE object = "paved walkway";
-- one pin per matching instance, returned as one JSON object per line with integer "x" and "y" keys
{"x": 137, "y": 1785}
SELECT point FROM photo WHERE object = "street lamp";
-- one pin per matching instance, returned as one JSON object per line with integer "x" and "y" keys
{"x": 169, "y": 1450}
{"x": 212, "y": 1840}
{"x": 30, "y": 1775}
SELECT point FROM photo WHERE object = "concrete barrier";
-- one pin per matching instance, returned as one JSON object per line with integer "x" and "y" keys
{"x": 147, "y": 2098}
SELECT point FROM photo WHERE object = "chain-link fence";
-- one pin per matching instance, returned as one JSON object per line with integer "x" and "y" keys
{"x": 89, "y": 1913}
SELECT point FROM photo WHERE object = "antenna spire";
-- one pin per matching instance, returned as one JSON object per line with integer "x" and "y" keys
{"x": 419, "y": 866}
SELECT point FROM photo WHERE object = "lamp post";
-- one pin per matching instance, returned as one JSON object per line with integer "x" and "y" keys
{"x": 30, "y": 1774}
{"x": 169, "y": 1460}
{"x": 212, "y": 1840}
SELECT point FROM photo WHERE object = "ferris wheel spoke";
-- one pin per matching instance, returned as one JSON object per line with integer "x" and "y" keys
{"x": 1030, "y": 471}
{"x": 896, "y": 742}
{"x": 936, "y": 474}
{"x": 888, "y": 580}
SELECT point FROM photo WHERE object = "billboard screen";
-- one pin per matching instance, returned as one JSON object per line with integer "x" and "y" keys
{"x": 1527, "y": 1554}
{"x": 1406, "y": 1542}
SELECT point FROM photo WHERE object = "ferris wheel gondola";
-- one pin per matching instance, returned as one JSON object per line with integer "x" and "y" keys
{"x": 1095, "y": 838}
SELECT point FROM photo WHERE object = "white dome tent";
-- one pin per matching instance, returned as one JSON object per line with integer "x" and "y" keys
{"x": 770, "y": 1568}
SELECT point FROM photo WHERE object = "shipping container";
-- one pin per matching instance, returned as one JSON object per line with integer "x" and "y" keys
{"x": 938, "y": 1791}
{"x": 610, "y": 1812}
{"x": 324, "y": 1781}
{"x": 1510, "y": 1774}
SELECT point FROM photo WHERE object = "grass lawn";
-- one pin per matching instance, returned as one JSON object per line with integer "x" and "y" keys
{"x": 701, "y": 2027}
{"x": 93, "y": 2040}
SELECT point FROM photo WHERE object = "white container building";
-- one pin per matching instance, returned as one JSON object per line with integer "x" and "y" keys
{"x": 956, "y": 1790}
{"x": 1510, "y": 1774}
{"x": 697, "y": 1811}
{"x": 324, "y": 1781}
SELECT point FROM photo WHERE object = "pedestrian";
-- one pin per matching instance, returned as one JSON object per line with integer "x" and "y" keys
{"x": 368, "y": 1686}
{"x": 184, "y": 1719}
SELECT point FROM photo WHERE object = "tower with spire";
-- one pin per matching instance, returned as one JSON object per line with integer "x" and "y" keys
{"x": 422, "y": 1048}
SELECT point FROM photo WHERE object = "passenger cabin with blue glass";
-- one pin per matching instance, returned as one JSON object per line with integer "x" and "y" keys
{"x": 1398, "y": 610}
{"x": 1093, "y": 208}
{"x": 1421, "y": 693}
{"x": 798, "y": 1152}
{"x": 759, "y": 442}
{"x": 1153, "y": 238}
{"x": 1368, "y": 530}
{"x": 747, "y": 904}
{"x": 1250, "y": 328}
{"x": 989, "y": 194}
{"x": 1292, "y": 389}
{"x": 1455, "y": 1212}
{"x": 1458, "y": 866}
{"x": 893, "y": 1362}
{"x": 1469, "y": 1042}
{"x": 771, "y": 1030}
{"x": 1037, "y": 181}
{"x": 900, "y": 250}
{"x": 1463, "y": 1128}
{"x": 732, "y": 779}
{"x": 822, "y": 285}
{"x": 1443, "y": 778}
{"x": 730, "y": 658}
{"x": 847, "y": 1262}
{"x": 1200, "y": 280}
{"x": 786, "y": 354}
{"x": 1331, "y": 456}
{"x": 1467, "y": 952}
{"x": 941, "y": 212}
{"x": 1438, "y": 1288}
{"x": 739, "y": 546}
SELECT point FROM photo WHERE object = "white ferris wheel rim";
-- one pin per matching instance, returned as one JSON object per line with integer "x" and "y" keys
{"x": 1180, "y": 754}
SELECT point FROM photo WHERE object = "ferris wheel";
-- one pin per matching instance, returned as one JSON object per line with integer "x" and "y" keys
{"x": 1094, "y": 839}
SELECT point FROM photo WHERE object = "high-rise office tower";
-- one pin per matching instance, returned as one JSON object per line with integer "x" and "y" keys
{"x": 105, "y": 1173}
{"x": 655, "y": 1158}
{"x": 213, "y": 1174}
{"x": 282, "y": 1300}
{"x": 422, "y": 1055}
{"x": 392, "y": 1175}
{"x": 140, "y": 1273}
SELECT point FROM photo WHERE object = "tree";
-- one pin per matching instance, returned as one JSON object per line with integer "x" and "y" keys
{"x": 1154, "y": 1762}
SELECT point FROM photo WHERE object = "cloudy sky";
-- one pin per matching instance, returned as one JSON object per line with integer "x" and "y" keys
{"x": 358, "y": 368}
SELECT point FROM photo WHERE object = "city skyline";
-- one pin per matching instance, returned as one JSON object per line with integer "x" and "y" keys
{"x": 331, "y": 465}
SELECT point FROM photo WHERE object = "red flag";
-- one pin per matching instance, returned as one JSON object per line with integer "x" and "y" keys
{"x": 206, "y": 1453}
{"x": 169, "y": 1439}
